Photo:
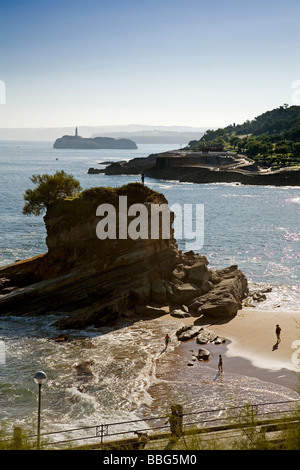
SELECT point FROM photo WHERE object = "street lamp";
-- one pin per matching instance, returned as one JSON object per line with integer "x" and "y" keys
{"x": 39, "y": 378}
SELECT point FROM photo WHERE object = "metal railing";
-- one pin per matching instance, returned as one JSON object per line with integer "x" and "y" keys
{"x": 158, "y": 426}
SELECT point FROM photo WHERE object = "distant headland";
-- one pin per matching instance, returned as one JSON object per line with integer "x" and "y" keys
{"x": 264, "y": 151}
{"x": 203, "y": 167}
{"x": 78, "y": 142}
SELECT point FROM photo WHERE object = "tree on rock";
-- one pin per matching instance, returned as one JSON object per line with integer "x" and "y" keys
{"x": 50, "y": 188}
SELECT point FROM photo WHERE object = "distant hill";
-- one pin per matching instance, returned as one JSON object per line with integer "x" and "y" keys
{"x": 271, "y": 139}
{"x": 283, "y": 121}
{"x": 144, "y": 133}
{"x": 156, "y": 136}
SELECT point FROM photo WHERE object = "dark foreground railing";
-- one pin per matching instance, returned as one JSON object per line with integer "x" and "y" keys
{"x": 158, "y": 426}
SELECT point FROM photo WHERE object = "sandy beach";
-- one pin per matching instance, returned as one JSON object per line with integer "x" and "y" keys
{"x": 251, "y": 345}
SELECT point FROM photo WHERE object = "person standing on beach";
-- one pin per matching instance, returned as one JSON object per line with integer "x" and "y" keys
{"x": 220, "y": 365}
{"x": 278, "y": 331}
{"x": 167, "y": 340}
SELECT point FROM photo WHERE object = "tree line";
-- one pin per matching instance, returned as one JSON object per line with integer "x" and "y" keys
{"x": 271, "y": 139}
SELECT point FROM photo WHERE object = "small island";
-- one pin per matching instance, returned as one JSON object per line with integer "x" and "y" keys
{"x": 78, "y": 142}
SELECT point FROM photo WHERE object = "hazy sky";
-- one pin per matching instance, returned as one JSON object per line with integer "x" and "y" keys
{"x": 157, "y": 62}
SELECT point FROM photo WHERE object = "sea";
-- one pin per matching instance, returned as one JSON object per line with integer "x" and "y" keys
{"x": 255, "y": 227}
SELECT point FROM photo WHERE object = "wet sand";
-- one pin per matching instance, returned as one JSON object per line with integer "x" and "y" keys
{"x": 251, "y": 347}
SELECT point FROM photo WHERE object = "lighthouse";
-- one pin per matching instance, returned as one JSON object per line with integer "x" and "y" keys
{"x": 76, "y": 132}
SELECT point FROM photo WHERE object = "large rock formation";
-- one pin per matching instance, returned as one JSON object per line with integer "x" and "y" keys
{"x": 95, "y": 281}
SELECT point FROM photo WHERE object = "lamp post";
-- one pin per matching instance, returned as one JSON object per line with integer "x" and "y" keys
{"x": 39, "y": 378}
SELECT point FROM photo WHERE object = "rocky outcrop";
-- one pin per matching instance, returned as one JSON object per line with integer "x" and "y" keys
{"x": 134, "y": 166}
{"x": 206, "y": 175}
{"x": 94, "y": 281}
{"x": 211, "y": 171}
{"x": 224, "y": 297}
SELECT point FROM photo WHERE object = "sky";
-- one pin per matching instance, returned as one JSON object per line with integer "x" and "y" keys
{"x": 156, "y": 62}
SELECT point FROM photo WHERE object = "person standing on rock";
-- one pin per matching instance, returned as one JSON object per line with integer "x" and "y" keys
{"x": 220, "y": 365}
{"x": 278, "y": 331}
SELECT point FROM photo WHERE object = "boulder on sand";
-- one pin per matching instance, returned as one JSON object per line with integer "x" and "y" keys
{"x": 224, "y": 300}
{"x": 188, "y": 332}
{"x": 203, "y": 354}
{"x": 178, "y": 313}
{"x": 205, "y": 336}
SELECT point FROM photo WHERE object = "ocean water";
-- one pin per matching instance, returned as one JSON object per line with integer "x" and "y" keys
{"x": 255, "y": 227}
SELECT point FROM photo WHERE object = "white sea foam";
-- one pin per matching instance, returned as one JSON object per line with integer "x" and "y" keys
{"x": 295, "y": 200}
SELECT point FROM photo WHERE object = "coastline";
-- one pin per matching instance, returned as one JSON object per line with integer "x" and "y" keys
{"x": 250, "y": 347}
{"x": 201, "y": 173}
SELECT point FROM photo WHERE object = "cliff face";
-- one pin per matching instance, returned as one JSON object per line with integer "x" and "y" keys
{"x": 96, "y": 281}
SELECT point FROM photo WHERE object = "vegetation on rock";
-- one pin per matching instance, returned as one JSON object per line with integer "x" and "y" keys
{"x": 50, "y": 189}
{"x": 83, "y": 205}
{"x": 61, "y": 193}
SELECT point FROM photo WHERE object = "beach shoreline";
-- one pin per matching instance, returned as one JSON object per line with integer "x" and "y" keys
{"x": 250, "y": 348}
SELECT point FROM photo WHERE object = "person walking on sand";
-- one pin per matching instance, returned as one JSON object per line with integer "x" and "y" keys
{"x": 278, "y": 331}
{"x": 167, "y": 340}
{"x": 220, "y": 365}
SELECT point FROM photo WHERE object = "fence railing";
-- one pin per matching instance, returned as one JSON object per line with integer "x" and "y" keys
{"x": 157, "y": 426}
